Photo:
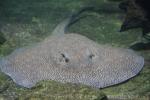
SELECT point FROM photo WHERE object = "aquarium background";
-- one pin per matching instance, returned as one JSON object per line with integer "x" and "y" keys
{"x": 25, "y": 22}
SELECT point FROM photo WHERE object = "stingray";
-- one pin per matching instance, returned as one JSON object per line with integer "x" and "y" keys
{"x": 71, "y": 58}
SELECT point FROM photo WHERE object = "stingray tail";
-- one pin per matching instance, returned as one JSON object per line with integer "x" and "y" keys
{"x": 63, "y": 26}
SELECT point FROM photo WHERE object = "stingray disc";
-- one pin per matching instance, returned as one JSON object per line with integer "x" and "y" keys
{"x": 71, "y": 58}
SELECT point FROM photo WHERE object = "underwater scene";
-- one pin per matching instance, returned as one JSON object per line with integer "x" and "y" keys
{"x": 74, "y": 50}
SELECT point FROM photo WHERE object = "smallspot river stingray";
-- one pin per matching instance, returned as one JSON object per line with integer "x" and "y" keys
{"x": 71, "y": 58}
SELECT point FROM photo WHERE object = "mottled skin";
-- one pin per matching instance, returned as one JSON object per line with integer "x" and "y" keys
{"x": 71, "y": 58}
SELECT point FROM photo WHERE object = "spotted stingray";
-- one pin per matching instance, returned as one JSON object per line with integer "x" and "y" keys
{"x": 71, "y": 58}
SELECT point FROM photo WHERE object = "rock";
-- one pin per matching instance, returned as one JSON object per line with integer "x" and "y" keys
{"x": 2, "y": 38}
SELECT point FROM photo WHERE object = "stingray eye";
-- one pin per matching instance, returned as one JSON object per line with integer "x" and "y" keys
{"x": 91, "y": 56}
{"x": 66, "y": 59}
